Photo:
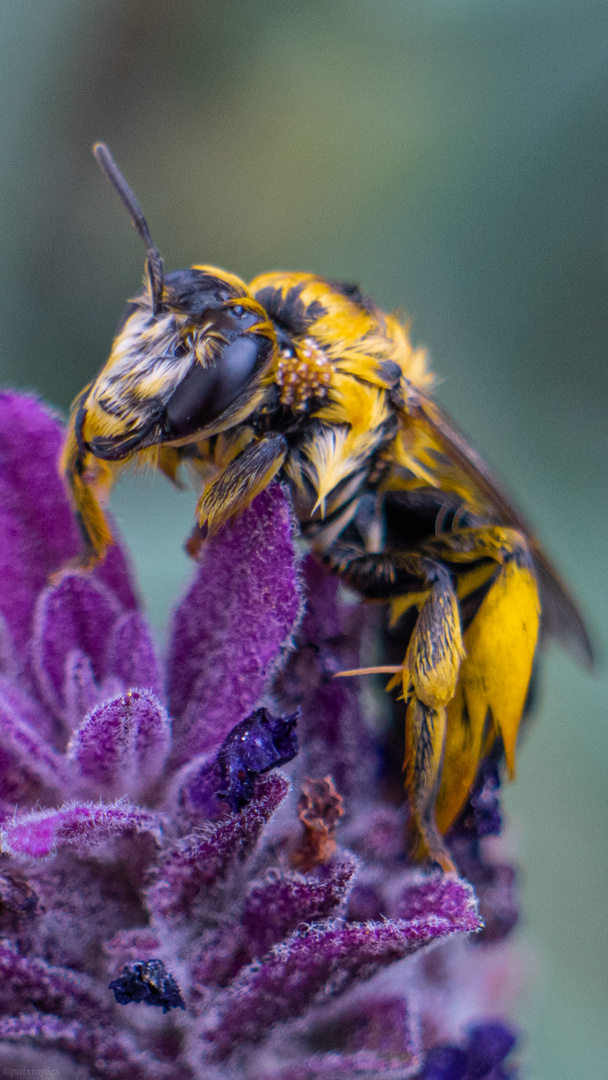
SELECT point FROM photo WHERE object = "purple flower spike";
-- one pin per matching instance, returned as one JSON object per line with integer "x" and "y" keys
{"x": 321, "y": 960}
{"x": 195, "y": 883}
{"x": 188, "y": 871}
{"x": 122, "y": 745}
{"x": 77, "y": 613}
{"x": 230, "y": 629}
{"x": 83, "y": 825}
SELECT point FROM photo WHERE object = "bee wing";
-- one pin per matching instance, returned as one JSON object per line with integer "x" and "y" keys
{"x": 444, "y": 452}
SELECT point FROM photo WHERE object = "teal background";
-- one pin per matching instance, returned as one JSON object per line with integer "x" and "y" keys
{"x": 452, "y": 157}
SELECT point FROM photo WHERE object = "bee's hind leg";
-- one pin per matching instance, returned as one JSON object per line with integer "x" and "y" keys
{"x": 429, "y": 673}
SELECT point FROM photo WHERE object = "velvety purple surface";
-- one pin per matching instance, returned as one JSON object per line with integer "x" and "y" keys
{"x": 135, "y": 831}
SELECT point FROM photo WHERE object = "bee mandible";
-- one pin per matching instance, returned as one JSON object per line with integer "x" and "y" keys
{"x": 305, "y": 380}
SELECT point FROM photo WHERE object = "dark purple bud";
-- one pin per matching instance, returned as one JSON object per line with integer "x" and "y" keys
{"x": 445, "y": 1063}
{"x": 147, "y": 981}
{"x": 487, "y": 1046}
{"x": 256, "y": 745}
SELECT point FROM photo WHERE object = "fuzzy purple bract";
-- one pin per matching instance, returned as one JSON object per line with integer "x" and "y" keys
{"x": 149, "y": 839}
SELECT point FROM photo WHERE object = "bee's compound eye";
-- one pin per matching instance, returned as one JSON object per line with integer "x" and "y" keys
{"x": 206, "y": 392}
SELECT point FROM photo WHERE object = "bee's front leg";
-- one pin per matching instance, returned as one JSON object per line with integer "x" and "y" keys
{"x": 85, "y": 477}
{"x": 429, "y": 672}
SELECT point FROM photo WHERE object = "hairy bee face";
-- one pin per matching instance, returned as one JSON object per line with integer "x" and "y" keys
{"x": 194, "y": 363}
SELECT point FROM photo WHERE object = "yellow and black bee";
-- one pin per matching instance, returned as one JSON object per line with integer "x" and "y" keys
{"x": 304, "y": 379}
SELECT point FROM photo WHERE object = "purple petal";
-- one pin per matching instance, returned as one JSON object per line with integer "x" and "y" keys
{"x": 28, "y": 709}
{"x": 77, "y": 613}
{"x": 111, "y": 1054}
{"x": 26, "y": 981}
{"x": 116, "y": 574}
{"x": 332, "y": 733}
{"x": 84, "y": 825}
{"x": 193, "y": 796}
{"x": 443, "y": 895}
{"x": 37, "y": 531}
{"x": 85, "y": 900}
{"x": 122, "y": 745}
{"x": 132, "y": 656}
{"x": 318, "y": 961}
{"x": 80, "y": 690}
{"x": 376, "y": 1036}
{"x": 272, "y": 910}
{"x": 230, "y": 629}
{"x": 9, "y": 664}
{"x": 25, "y": 756}
{"x": 189, "y": 870}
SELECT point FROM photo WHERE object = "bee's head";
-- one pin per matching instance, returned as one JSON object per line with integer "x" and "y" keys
{"x": 187, "y": 358}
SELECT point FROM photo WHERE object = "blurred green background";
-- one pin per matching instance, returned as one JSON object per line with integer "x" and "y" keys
{"x": 452, "y": 157}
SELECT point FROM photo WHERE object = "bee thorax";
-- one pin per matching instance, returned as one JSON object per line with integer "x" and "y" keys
{"x": 303, "y": 372}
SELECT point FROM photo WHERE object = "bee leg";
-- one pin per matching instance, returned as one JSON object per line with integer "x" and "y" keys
{"x": 500, "y": 643}
{"x": 378, "y": 575}
{"x": 244, "y": 478}
{"x": 83, "y": 474}
{"x": 429, "y": 674}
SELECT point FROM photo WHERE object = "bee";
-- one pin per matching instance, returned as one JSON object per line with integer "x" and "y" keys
{"x": 305, "y": 380}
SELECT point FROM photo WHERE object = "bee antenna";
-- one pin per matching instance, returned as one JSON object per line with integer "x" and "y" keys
{"x": 154, "y": 263}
